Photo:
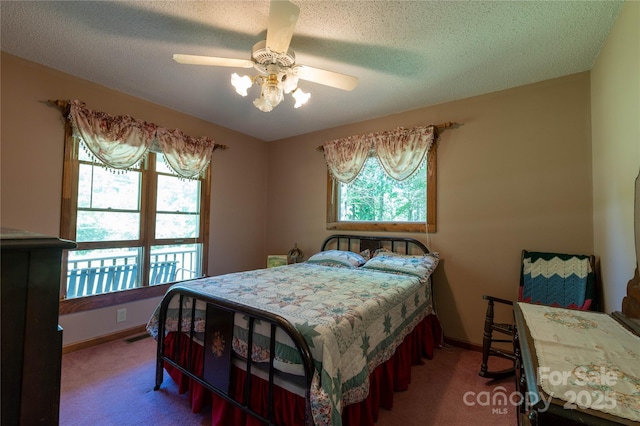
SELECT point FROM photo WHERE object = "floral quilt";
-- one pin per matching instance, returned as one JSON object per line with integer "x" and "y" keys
{"x": 352, "y": 319}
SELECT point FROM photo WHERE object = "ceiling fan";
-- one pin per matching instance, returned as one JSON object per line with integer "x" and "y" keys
{"x": 275, "y": 63}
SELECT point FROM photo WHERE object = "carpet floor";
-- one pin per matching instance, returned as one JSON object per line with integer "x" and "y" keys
{"x": 112, "y": 384}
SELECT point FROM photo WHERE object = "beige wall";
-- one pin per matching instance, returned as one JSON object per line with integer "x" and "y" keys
{"x": 615, "y": 110}
{"x": 516, "y": 174}
{"x": 31, "y": 179}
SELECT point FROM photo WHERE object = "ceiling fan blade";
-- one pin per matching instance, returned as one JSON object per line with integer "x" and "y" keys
{"x": 328, "y": 78}
{"x": 212, "y": 60}
{"x": 283, "y": 16}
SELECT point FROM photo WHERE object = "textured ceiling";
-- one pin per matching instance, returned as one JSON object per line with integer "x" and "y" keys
{"x": 407, "y": 54}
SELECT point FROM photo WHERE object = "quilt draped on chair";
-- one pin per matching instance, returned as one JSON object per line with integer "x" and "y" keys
{"x": 557, "y": 280}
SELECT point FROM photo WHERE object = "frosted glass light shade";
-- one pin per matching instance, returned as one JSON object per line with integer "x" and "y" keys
{"x": 262, "y": 104}
{"x": 300, "y": 97}
{"x": 289, "y": 81}
{"x": 241, "y": 84}
{"x": 272, "y": 94}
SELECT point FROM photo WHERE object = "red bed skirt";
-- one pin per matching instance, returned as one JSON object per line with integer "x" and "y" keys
{"x": 392, "y": 375}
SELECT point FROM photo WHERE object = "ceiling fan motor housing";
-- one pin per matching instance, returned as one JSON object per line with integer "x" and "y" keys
{"x": 264, "y": 56}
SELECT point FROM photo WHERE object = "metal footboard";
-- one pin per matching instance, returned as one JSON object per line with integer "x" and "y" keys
{"x": 213, "y": 378}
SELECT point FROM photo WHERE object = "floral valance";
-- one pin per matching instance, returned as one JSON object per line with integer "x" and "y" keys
{"x": 122, "y": 141}
{"x": 399, "y": 151}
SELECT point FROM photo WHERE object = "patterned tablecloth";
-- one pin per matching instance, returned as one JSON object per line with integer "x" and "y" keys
{"x": 587, "y": 359}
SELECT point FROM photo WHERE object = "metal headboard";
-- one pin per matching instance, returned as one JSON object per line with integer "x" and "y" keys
{"x": 358, "y": 243}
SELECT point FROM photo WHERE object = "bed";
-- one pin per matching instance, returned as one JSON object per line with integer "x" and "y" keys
{"x": 348, "y": 324}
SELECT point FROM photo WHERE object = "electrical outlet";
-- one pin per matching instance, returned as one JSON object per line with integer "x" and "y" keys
{"x": 121, "y": 315}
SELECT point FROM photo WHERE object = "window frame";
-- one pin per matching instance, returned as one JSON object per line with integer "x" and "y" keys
{"x": 430, "y": 226}
{"x": 147, "y": 230}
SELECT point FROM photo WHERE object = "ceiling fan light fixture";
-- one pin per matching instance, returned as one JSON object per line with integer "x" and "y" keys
{"x": 300, "y": 97}
{"x": 278, "y": 73}
{"x": 241, "y": 84}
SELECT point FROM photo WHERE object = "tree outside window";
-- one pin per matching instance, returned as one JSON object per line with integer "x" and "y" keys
{"x": 373, "y": 201}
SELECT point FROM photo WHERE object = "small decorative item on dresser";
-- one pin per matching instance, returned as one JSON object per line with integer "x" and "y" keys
{"x": 295, "y": 255}
{"x": 274, "y": 260}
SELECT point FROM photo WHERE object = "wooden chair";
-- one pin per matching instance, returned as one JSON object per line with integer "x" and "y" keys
{"x": 553, "y": 279}
{"x": 108, "y": 278}
{"x": 163, "y": 272}
{"x": 101, "y": 279}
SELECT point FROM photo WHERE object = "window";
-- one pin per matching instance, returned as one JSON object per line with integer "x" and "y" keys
{"x": 135, "y": 228}
{"x": 373, "y": 201}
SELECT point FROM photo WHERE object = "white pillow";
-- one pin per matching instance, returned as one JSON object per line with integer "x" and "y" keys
{"x": 337, "y": 258}
{"x": 420, "y": 266}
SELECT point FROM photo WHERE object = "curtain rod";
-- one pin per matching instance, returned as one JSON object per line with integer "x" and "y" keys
{"x": 62, "y": 104}
{"x": 440, "y": 127}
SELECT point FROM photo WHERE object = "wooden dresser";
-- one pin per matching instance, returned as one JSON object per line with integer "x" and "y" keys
{"x": 31, "y": 337}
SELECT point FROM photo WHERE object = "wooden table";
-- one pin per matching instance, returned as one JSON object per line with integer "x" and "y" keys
{"x": 533, "y": 410}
